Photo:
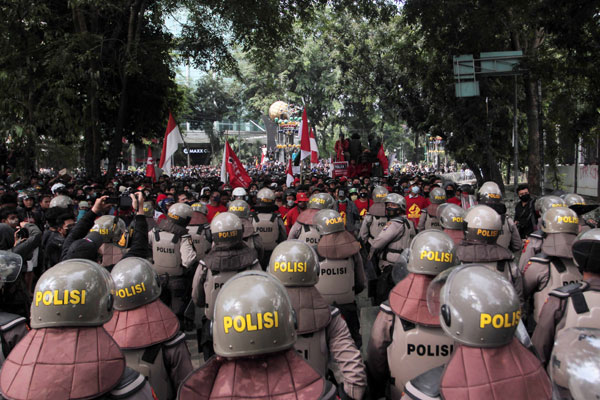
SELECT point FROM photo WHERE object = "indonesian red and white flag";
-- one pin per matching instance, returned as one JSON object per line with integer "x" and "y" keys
{"x": 314, "y": 150}
{"x": 305, "y": 146}
{"x": 232, "y": 169}
{"x": 150, "y": 171}
{"x": 289, "y": 174}
{"x": 383, "y": 160}
{"x": 170, "y": 144}
{"x": 263, "y": 155}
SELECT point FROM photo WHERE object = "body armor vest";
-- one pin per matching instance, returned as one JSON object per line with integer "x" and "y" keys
{"x": 414, "y": 350}
{"x": 166, "y": 253}
{"x": 313, "y": 348}
{"x": 582, "y": 308}
{"x": 393, "y": 251}
{"x": 213, "y": 284}
{"x": 336, "y": 280}
{"x": 111, "y": 254}
{"x": 501, "y": 267}
{"x": 377, "y": 225}
{"x": 201, "y": 244}
{"x": 432, "y": 221}
{"x": 149, "y": 362}
{"x": 505, "y": 235}
{"x": 268, "y": 229}
{"x": 561, "y": 272}
{"x": 310, "y": 235}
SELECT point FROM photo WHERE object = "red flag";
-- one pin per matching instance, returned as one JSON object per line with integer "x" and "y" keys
{"x": 314, "y": 150}
{"x": 170, "y": 145}
{"x": 238, "y": 177}
{"x": 383, "y": 159}
{"x": 150, "y": 172}
{"x": 289, "y": 179}
{"x": 304, "y": 137}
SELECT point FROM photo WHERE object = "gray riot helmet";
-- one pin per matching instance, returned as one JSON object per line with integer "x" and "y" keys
{"x": 10, "y": 267}
{"x": 328, "y": 221}
{"x": 483, "y": 224}
{"x": 295, "y": 263}
{"x": 437, "y": 195}
{"x": 578, "y": 204}
{"x": 478, "y": 307}
{"x": 321, "y": 201}
{"x": 109, "y": 228}
{"x": 61, "y": 202}
{"x": 452, "y": 217}
{"x": 489, "y": 192}
{"x": 543, "y": 204}
{"x": 431, "y": 252}
{"x": 200, "y": 208}
{"x": 253, "y": 315}
{"x": 575, "y": 362}
{"x": 75, "y": 292}
{"x": 440, "y": 208}
{"x": 136, "y": 283}
{"x": 265, "y": 197}
{"x": 395, "y": 198}
{"x": 379, "y": 194}
{"x": 226, "y": 228}
{"x": 560, "y": 220}
{"x": 586, "y": 251}
{"x": 180, "y": 214}
{"x": 148, "y": 209}
{"x": 239, "y": 208}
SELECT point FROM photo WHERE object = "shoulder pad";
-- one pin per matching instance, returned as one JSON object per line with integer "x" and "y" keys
{"x": 335, "y": 311}
{"x": 426, "y": 384}
{"x": 131, "y": 382}
{"x": 175, "y": 340}
{"x": 537, "y": 234}
{"x": 8, "y": 321}
{"x": 385, "y": 307}
{"x": 567, "y": 290}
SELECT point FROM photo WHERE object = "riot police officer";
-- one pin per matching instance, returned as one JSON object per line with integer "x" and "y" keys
{"x": 13, "y": 327}
{"x": 482, "y": 229}
{"x": 451, "y": 219}
{"x": 341, "y": 269}
{"x": 198, "y": 228}
{"x": 174, "y": 255}
{"x": 376, "y": 218}
{"x": 268, "y": 223}
{"x": 578, "y": 204}
{"x": 406, "y": 339}
{"x": 553, "y": 266}
{"x": 254, "y": 340}
{"x": 149, "y": 214}
{"x": 146, "y": 330}
{"x": 490, "y": 195}
{"x": 250, "y": 236}
{"x": 317, "y": 321}
{"x": 429, "y": 219}
{"x": 112, "y": 230}
{"x": 574, "y": 305}
{"x": 228, "y": 256}
{"x": 304, "y": 229}
{"x": 239, "y": 193}
{"x": 479, "y": 309}
{"x": 68, "y": 354}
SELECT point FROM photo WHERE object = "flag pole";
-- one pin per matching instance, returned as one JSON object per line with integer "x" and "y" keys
{"x": 185, "y": 146}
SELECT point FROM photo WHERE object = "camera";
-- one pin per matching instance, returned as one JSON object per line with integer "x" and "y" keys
{"x": 22, "y": 233}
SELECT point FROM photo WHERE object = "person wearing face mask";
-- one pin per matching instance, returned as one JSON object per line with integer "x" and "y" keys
{"x": 53, "y": 242}
{"x": 215, "y": 205}
{"x": 363, "y": 202}
{"x": 414, "y": 204}
{"x": 348, "y": 210}
{"x": 301, "y": 204}
{"x": 525, "y": 216}
{"x": 451, "y": 197}
{"x": 290, "y": 202}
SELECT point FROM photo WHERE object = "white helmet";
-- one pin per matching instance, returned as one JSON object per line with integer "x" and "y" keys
{"x": 56, "y": 187}
{"x": 239, "y": 193}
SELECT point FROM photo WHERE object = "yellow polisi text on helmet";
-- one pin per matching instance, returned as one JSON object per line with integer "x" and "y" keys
{"x": 228, "y": 234}
{"x": 332, "y": 221}
{"x": 436, "y": 256}
{"x": 132, "y": 290}
{"x": 235, "y": 208}
{"x": 557, "y": 205}
{"x": 53, "y": 297}
{"x": 498, "y": 321}
{"x": 457, "y": 219}
{"x": 380, "y": 195}
{"x": 493, "y": 196}
{"x": 294, "y": 266}
{"x": 251, "y": 322}
{"x": 318, "y": 201}
{"x": 439, "y": 197}
{"x": 487, "y": 233}
{"x": 568, "y": 220}
{"x": 173, "y": 216}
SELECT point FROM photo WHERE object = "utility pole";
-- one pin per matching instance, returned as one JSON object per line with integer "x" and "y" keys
{"x": 516, "y": 136}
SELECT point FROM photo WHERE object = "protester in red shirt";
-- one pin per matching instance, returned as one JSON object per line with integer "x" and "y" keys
{"x": 292, "y": 215}
{"x": 215, "y": 206}
{"x": 363, "y": 202}
{"x": 342, "y": 148}
{"x": 414, "y": 204}
{"x": 290, "y": 201}
{"x": 451, "y": 194}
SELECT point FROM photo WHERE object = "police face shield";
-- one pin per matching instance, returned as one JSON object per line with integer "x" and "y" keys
{"x": 10, "y": 266}
{"x": 435, "y": 288}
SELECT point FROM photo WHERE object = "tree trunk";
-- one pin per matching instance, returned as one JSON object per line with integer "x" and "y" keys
{"x": 533, "y": 146}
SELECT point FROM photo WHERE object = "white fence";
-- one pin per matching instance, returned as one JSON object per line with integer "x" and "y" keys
{"x": 587, "y": 179}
